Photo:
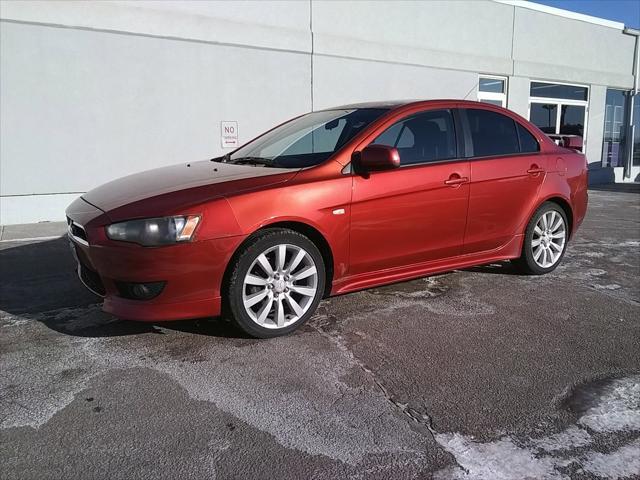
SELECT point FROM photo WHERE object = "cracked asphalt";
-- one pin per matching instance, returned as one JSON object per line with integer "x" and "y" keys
{"x": 474, "y": 374}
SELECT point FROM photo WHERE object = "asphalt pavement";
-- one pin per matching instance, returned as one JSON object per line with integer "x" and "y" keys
{"x": 475, "y": 374}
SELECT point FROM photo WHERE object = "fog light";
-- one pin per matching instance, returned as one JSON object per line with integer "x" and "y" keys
{"x": 140, "y": 291}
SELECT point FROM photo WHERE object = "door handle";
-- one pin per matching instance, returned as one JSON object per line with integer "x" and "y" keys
{"x": 535, "y": 170}
{"x": 455, "y": 180}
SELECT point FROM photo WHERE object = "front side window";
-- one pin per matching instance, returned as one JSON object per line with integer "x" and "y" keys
{"x": 425, "y": 137}
{"x": 492, "y": 133}
{"x": 306, "y": 141}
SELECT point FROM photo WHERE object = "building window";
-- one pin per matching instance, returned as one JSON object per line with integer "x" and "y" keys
{"x": 614, "y": 138}
{"x": 493, "y": 90}
{"x": 556, "y": 90}
{"x": 635, "y": 141}
{"x": 559, "y": 110}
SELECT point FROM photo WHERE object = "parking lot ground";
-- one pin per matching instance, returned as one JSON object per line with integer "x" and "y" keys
{"x": 474, "y": 374}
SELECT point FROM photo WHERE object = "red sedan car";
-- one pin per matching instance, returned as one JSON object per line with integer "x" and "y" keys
{"x": 328, "y": 203}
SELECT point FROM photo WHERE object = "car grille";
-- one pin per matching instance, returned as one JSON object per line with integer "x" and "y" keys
{"x": 77, "y": 231}
{"x": 90, "y": 278}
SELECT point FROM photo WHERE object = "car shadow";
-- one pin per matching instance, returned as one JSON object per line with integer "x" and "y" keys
{"x": 617, "y": 187}
{"x": 38, "y": 282}
{"x": 501, "y": 268}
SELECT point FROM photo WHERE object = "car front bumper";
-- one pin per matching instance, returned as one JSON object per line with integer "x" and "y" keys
{"x": 192, "y": 272}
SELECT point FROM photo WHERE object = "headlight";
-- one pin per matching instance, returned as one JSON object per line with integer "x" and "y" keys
{"x": 153, "y": 232}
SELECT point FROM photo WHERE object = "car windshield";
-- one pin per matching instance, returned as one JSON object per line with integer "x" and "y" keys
{"x": 307, "y": 140}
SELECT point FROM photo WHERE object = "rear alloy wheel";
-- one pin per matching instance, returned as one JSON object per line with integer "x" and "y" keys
{"x": 276, "y": 283}
{"x": 545, "y": 240}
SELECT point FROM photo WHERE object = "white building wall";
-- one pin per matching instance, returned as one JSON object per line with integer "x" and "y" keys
{"x": 82, "y": 106}
{"x": 91, "y": 91}
{"x": 518, "y": 97}
{"x": 595, "y": 127}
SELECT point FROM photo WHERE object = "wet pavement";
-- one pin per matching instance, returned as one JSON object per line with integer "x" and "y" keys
{"x": 474, "y": 374}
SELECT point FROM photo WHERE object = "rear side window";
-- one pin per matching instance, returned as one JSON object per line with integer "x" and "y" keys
{"x": 528, "y": 143}
{"x": 492, "y": 133}
{"x": 422, "y": 138}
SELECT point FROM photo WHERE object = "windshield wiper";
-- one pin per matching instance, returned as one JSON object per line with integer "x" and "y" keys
{"x": 251, "y": 161}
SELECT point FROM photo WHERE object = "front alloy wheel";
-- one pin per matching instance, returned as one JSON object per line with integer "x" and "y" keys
{"x": 280, "y": 286}
{"x": 276, "y": 283}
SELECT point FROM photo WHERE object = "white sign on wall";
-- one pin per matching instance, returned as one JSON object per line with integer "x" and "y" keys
{"x": 229, "y": 134}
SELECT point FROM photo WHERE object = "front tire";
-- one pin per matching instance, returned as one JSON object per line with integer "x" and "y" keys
{"x": 276, "y": 283}
{"x": 545, "y": 240}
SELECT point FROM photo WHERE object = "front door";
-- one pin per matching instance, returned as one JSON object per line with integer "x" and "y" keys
{"x": 417, "y": 212}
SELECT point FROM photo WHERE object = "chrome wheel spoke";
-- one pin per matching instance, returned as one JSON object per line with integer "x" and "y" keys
{"x": 251, "y": 300}
{"x": 308, "y": 292}
{"x": 551, "y": 220}
{"x": 536, "y": 242}
{"x": 255, "y": 280}
{"x": 560, "y": 234}
{"x": 307, "y": 272}
{"x": 537, "y": 230}
{"x": 264, "y": 311}
{"x": 281, "y": 255}
{"x": 296, "y": 260}
{"x": 556, "y": 247}
{"x": 295, "y": 306}
{"x": 537, "y": 253}
{"x": 264, "y": 263}
{"x": 279, "y": 312}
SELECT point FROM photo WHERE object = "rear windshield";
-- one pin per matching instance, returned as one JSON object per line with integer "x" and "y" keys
{"x": 307, "y": 140}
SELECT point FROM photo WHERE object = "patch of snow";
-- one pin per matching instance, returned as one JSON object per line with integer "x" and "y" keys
{"x": 611, "y": 286}
{"x": 630, "y": 243}
{"x": 617, "y": 408}
{"x": 499, "y": 460}
{"x": 592, "y": 254}
{"x": 572, "y": 437}
{"x": 612, "y": 407}
{"x": 596, "y": 272}
{"x": 621, "y": 463}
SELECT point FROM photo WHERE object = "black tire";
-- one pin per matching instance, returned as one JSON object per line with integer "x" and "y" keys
{"x": 252, "y": 248}
{"x": 526, "y": 263}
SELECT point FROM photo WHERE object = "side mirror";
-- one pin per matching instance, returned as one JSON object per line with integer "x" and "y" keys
{"x": 379, "y": 157}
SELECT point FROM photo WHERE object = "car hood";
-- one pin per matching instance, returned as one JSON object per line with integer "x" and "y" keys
{"x": 179, "y": 185}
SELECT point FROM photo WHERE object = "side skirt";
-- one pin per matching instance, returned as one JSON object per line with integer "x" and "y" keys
{"x": 352, "y": 283}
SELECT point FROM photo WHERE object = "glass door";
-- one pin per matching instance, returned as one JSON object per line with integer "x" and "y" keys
{"x": 559, "y": 110}
{"x": 544, "y": 116}
{"x": 558, "y": 119}
{"x": 614, "y": 137}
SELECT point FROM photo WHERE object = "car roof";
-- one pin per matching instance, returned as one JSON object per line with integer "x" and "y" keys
{"x": 389, "y": 104}
{"x": 392, "y": 104}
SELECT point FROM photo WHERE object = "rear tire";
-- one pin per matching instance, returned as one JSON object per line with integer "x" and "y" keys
{"x": 276, "y": 283}
{"x": 545, "y": 240}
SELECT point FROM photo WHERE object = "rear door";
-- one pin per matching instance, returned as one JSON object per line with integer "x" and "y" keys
{"x": 507, "y": 170}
